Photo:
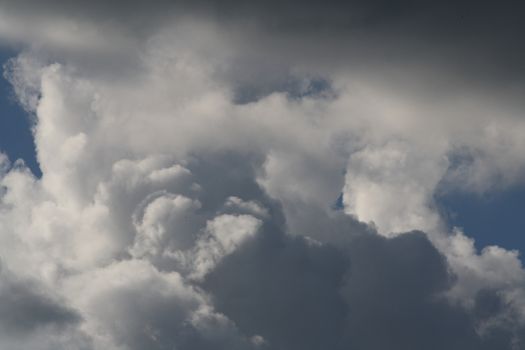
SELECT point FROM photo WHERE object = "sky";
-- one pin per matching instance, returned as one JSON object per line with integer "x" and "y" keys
{"x": 495, "y": 219}
{"x": 16, "y": 139}
{"x": 276, "y": 175}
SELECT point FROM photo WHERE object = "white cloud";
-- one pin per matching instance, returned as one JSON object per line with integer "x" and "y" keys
{"x": 223, "y": 236}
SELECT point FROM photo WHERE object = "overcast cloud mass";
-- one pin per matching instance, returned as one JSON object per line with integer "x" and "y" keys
{"x": 246, "y": 175}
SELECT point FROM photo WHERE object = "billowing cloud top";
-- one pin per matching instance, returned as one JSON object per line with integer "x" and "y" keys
{"x": 259, "y": 175}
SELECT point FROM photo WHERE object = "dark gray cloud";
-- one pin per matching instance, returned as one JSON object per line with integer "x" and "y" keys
{"x": 485, "y": 25}
{"x": 370, "y": 293}
{"x": 25, "y": 307}
{"x": 436, "y": 45}
{"x": 393, "y": 295}
{"x": 283, "y": 289}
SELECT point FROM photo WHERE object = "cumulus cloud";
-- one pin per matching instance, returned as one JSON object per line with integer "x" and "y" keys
{"x": 225, "y": 177}
{"x": 33, "y": 317}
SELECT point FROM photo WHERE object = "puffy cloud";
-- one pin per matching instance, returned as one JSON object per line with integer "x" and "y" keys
{"x": 32, "y": 316}
{"x": 224, "y": 235}
{"x": 132, "y": 305}
{"x": 371, "y": 293}
{"x": 376, "y": 181}
{"x": 209, "y": 184}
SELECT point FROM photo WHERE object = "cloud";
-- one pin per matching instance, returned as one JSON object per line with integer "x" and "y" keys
{"x": 225, "y": 177}
{"x": 32, "y": 316}
{"x": 25, "y": 308}
{"x": 154, "y": 310}
{"x": 371, "y": 293}
{"x": 475, "y": 39}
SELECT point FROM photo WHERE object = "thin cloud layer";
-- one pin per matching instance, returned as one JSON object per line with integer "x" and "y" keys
{"x": 226, "y": 177}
